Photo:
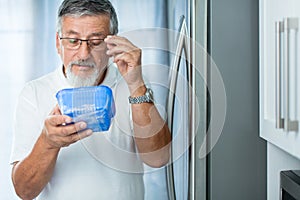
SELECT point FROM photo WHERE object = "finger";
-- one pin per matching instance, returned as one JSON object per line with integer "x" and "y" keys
{"x": 109, "y": 46}
{"x": 121, "y": 49}
{"x": 78, "y": 136}
{"x": 122, "y": 67}
{"x": 70, "y": 129}
{"x": 56, "y": 120}
{"x": 56, "y": 110}
{"x": 125, "y": 58}
{"x": 85, "y": 133}
{"x": 117, "y": 40}
{"x": 114, "y": 51}
{"x": 118, "y": 45}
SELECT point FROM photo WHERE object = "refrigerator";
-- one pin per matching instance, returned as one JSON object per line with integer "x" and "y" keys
{"x": 173, "y": 37}
{"x": 213, "y": 101}
{"x": 187, "y": 98}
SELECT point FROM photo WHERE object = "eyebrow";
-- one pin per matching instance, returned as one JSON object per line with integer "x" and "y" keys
{"x": 71, "y": 32}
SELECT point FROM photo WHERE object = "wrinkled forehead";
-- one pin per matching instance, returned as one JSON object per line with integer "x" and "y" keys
{"x": 86, "y": 25}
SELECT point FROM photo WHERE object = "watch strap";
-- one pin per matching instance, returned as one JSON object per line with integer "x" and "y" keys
{"x": 146, "y": 98}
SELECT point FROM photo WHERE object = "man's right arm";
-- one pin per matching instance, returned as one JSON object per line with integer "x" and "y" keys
{"x": 30, "y": 175}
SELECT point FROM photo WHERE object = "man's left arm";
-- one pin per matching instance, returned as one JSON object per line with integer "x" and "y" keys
{"x": 151, "y": 133}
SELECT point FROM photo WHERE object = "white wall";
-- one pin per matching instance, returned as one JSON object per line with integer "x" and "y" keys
{"x": 15, "y": 34}
{"x": 27, "y": 35}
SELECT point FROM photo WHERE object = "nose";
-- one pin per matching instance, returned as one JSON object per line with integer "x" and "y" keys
{"x": 83, "y": 51}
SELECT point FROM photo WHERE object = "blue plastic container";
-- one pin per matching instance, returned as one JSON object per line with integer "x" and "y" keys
{"x": 93, "y": 105}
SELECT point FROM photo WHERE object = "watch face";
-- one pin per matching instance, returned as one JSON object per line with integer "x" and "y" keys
{"x": 149, "y": 94}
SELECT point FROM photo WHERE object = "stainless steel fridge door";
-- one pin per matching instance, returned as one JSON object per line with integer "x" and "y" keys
{"x": 187, "y": 107}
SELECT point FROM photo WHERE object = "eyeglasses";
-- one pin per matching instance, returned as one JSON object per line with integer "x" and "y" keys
{"x": 75, "y": 43}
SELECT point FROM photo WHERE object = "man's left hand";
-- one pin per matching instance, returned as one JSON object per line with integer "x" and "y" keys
{"x": 128, "y": 59}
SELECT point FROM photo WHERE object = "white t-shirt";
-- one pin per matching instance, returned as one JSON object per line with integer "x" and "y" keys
{"x": 102, "y": 166}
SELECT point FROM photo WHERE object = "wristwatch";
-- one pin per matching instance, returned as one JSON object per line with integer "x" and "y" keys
{"x": 146, "y": 98}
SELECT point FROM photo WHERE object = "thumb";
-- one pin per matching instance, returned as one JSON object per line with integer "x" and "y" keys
{"x": 56, "y": 110}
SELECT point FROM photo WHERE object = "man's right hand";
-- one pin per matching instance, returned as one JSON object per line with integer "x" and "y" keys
{"x": 31, "y": 174}
{"x": 59, "y": 131}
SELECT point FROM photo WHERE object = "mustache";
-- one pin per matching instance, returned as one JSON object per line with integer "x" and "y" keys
{"x": 83, "y": 62}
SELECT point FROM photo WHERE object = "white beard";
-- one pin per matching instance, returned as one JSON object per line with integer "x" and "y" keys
{"x": 78, "y": 81}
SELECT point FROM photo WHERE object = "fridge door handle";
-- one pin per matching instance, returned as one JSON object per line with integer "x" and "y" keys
{"x": 182, "y": 45}
{"x": 173, "y": 77}
{"x": 288, "y": 24}
{"x": 278, "y": 75}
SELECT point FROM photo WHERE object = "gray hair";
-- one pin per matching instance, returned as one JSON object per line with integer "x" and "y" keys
{"x": 79, "y": 8}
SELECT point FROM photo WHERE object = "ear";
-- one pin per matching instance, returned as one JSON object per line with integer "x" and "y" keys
{"x": 58, "y": 45}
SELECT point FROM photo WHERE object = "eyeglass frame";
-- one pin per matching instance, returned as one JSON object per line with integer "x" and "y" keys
{"x": 88, "y": 42}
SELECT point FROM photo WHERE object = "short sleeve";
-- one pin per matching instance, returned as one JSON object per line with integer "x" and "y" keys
{"x": 26, "y": 126}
